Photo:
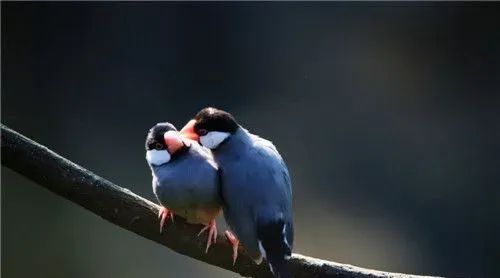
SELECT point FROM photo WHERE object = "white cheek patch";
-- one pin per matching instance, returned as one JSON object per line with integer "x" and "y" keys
{"x": 213, "y": 139}
{"x": 157, "y": 157}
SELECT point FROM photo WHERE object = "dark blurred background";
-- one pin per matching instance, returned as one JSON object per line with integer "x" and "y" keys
{"x": 387, "y": 115}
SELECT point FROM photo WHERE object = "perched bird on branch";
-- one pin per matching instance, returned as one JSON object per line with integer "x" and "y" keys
{"x": 255, "y": 185}
{"x": 185, "y": 178}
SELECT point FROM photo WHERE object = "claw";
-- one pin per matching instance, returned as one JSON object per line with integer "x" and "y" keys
{"x": 164, "y": 214}
{"x": 235, "y": 242}
{"x": 212, "y": 233}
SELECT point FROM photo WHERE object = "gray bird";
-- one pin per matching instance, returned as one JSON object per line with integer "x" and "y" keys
{"x": 185, "y": 178}
{"x": 255, "y": 186}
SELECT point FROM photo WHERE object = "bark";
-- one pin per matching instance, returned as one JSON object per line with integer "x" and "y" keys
{"x": 122, "y": 207}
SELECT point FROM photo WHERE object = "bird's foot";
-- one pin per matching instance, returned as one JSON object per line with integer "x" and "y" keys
{"x": 212, "y": 233}
{"x": 235, "y": 242}
{"x": 164, "y": 214}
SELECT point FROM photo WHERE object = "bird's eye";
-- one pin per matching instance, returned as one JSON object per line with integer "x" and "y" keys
{"x": 159, "y": 146}
{"x": 202, "y": 132}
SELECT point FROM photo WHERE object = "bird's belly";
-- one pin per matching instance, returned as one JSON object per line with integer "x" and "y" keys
{"x": 197, "y": 204}
{"x": 197, "y": 214}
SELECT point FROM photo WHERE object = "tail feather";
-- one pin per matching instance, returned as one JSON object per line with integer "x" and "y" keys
{"x": 274, "y": 247}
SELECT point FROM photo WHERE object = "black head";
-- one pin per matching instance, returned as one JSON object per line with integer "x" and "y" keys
{"x": 213, "y": 119}
{"x": 155, "y": 140}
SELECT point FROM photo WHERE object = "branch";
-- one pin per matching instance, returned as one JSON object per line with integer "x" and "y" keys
{"x": 122, "y": 207}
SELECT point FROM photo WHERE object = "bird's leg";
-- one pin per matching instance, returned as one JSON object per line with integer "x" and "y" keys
{"x": 235, "y": 242}
{"x": 212, "y": 233}
{"x": 164, "y": 214}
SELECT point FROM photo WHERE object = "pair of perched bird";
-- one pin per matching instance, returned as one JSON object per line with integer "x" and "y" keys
{"x": 232, "y": 170}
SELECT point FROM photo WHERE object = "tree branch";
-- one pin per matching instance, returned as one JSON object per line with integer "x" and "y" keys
{"x": 122, "y": 207}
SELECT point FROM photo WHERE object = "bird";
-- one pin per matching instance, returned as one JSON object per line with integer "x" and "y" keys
{"x": 185, "y": 178}
{"x": 256, "y": 187}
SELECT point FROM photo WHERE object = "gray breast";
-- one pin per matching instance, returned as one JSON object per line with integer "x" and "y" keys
{"x": 187, "y": 181}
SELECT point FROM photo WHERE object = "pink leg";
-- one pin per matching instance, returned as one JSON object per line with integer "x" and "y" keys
{"x": 212, "y": 233}
{"x": 235, "y": 242}
{"x": 164, "y": 214}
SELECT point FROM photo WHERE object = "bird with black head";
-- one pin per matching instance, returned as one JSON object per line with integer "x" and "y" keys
{"x": 185, "y": 178}
{"x": 255, "y": 186}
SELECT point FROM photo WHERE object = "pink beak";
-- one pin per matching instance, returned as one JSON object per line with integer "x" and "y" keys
{"x": 173, "y": 141}
{"x": 188, "y": 131}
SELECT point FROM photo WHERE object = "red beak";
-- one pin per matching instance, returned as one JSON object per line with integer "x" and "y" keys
{"x": 173, "y": 141}
{"x": 188, "y": 131}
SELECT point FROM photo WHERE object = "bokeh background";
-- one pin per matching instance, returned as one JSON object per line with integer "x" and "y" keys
{"x": 387, "y": 115}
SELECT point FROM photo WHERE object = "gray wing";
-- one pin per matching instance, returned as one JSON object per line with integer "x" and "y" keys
{"x": 284, "y": 183}
{"x": 255, "y": 189}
